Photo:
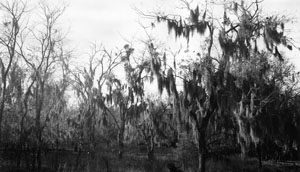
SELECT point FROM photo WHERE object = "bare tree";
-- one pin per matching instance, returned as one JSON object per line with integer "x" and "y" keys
{"x": 13, "y": 12}
{"x": 88, "y": 83}
{"x": 41, "y": 56}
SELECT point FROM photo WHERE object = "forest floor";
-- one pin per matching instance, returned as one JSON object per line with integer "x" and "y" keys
{"x": 135, "y": 160}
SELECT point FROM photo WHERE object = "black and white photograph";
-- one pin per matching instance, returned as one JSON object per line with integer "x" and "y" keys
{"x": 149, "y": 86}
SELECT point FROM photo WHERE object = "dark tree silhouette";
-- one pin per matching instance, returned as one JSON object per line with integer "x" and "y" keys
{"x": 212, "y": 86}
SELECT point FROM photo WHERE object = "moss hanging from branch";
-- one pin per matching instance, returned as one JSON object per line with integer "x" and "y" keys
{"x": 180, "y": 26}
{"x": 201, "y": 27}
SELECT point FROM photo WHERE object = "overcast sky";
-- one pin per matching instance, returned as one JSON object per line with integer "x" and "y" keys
{"x": 111, "y": 21}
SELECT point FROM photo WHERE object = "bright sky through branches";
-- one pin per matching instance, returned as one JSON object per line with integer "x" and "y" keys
{"x": 112, "y": 21}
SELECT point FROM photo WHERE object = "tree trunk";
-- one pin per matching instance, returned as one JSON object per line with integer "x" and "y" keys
{"x": 92, "y": 145}
{"x": 1, "y": 115}
{"x": 202, "y": 153}
{"x": 151, "y": 149}
{"x": 121, "y": 144}
{"x": 39, "y": 105}
{"x": 202, "y": 127}
{"x": 2, "y": 106}
{"x": 39, "y": 148}
{"x": 298, "y": 151}
{"x": 259, "y": 154}
{"x": 78, "y": 158}
{"x": 202, "y": 161}
{"x": 243, "y": 151}
{"x": 39, "y": 158}
{"x": 56, "y": 161}
{"x": 121, "y": 135}
{"x": 33, "y": 158}
{"x": 20, "y": 151}
{"x": 39, "y": 139}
